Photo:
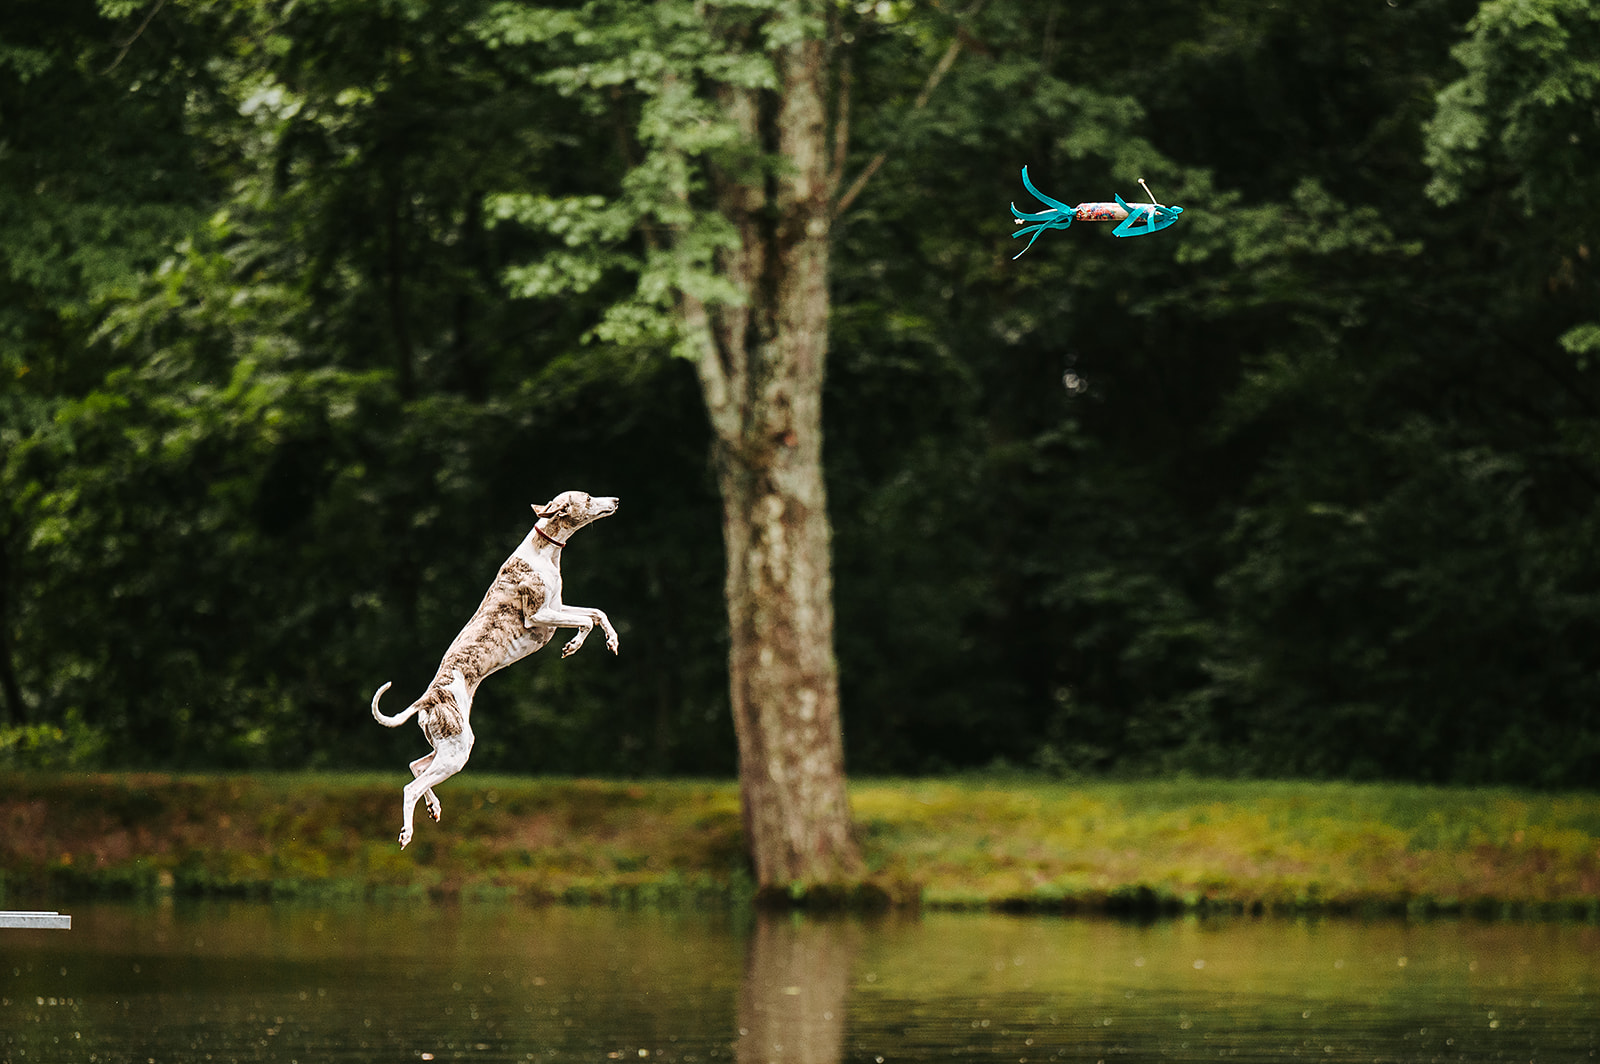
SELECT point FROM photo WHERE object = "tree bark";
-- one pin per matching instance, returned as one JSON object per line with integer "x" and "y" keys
{"x": 15, "y": 710}
{"x": 761, "y": 367}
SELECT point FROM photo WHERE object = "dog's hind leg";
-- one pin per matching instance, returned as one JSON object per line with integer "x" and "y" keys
{"x": 418, "y": 766}
{"x": 448, "y": 758}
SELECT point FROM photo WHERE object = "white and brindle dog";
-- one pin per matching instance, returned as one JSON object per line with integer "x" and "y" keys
{"x": 519, "y": 614}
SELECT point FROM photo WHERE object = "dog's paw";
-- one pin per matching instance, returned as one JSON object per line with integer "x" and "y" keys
{"x": 571, "y": 648}
{"x": 405, "y": 837}
{"x": 612, "y": 643}
{"x": 435, "y": 810}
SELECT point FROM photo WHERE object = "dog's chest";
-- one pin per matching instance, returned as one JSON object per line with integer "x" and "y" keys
{"x": 545, "y": 570}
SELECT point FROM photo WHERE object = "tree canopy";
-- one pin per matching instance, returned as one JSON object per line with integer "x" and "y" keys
{"x": 305, "y": 303}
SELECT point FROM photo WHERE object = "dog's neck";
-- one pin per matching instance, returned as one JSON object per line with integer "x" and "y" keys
{"x": 547, "y": 537}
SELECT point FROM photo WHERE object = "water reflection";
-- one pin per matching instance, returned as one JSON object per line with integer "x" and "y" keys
{"x": 794, "y": 993}
{"x": 250, "y": 982}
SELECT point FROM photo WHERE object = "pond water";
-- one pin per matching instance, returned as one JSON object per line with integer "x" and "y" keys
{"x": 254, "y": 982}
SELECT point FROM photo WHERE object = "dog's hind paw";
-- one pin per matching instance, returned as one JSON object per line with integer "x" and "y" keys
{"x": 405, "y": 837}
{"x": 435, "y": 810}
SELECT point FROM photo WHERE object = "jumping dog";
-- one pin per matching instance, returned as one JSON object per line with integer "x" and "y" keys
{"x": 519, "y": 614}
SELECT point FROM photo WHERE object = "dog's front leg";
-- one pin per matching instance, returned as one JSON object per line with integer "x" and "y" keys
{"x": 583, "y": 618}
{"x": 596, "y": 617}
{"x": 612, "y": 642}
{"x": 530, "y": 600}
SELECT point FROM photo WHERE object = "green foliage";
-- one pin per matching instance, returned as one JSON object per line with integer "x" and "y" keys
{"x": 295, "y": 445}
{"x": 51, "y": 747}
{"x": 1521, "y": 123}
{"x": 656, "y": 76}
{"x": 1525, "y": 108}
{"x": 301, "y": 307}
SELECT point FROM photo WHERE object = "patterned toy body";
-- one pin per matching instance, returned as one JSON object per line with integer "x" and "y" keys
{"x": 1099, "y": 212}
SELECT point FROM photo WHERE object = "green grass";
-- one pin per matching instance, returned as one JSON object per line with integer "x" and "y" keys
{"x": 1149, "y": 846}
{"x": 1249, "y": 845}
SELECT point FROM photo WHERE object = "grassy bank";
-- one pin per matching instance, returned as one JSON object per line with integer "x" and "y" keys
{"x": 1130, "y": 846}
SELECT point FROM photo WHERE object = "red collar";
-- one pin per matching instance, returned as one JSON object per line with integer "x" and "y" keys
{"x": 548, "y": 537}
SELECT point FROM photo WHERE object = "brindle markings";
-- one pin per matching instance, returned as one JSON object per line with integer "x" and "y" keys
{"x": 485, "y": 644}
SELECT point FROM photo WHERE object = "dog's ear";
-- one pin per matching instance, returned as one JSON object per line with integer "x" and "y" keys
{"x": 555, "y": 509}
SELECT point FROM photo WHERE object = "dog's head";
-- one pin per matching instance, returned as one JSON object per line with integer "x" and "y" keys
{"x": 571, "y": 510}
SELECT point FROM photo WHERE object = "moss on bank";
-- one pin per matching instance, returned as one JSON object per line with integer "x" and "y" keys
{"x": 1137, "y": 846}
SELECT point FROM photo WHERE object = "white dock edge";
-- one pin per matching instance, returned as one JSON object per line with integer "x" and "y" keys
{"x": 48, "y": 921}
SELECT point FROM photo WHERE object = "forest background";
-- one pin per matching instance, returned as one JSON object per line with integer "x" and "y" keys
{"x": 303, "y": 304}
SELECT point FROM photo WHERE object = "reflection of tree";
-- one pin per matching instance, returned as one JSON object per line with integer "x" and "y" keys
{"x": 796, "y": 978}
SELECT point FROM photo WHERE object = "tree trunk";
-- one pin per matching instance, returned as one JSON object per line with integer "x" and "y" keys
{"x": 15, "y": 710}
{"x": 783, "y": 679}
{"x": 761, "y": 368}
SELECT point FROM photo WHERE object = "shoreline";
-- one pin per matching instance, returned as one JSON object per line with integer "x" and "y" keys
{"x": 1135, "y": 848}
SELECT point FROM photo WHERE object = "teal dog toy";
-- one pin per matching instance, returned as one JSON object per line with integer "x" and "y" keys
{"x": 1135, "y": 219}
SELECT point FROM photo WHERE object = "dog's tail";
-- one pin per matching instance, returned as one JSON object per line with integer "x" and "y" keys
{"x": 399, "y": 718}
